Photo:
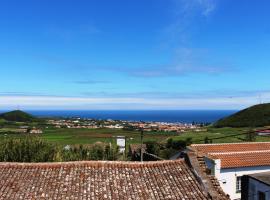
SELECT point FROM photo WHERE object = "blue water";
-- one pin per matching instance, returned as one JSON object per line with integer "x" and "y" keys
{"x": 184, "y": 116}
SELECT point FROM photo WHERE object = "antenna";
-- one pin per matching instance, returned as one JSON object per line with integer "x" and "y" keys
{"x": 260, "y": 98}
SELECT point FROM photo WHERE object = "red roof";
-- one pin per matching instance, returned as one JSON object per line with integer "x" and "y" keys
{"x": 243, "y": 159}
{"x": 263, "y": 131}
{"x": 99, "y": 180}
{"x": 234, "y": 155}
{"x": 231, "y": 147}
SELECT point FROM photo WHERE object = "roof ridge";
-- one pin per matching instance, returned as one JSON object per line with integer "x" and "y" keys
{"x": 219, "y": 144}
{"x": 91, "y": 163}
{"x": 238, "y": 152}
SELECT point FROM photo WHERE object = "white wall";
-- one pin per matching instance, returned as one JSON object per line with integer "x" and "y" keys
{"x": 121, "y": 142}
{"x": 227, "y": 178}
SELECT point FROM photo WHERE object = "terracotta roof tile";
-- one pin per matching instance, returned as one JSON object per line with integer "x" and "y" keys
{"x": 231, "y": 147}
{"x": 243, "y": 159}
{"x": 99, "y": 180}
{"x": 234, "y": 155}
{"x": 211, "y": 184}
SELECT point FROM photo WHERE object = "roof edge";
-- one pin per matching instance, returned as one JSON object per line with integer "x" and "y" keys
{"x": 91, "y": 163}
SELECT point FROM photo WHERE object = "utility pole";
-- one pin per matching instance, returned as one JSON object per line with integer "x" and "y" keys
{"x": 141, "y": 144}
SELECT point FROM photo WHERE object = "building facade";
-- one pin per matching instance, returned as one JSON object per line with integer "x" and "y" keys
{"x": 229, "y": 162}
{"x": 256, "y": 186}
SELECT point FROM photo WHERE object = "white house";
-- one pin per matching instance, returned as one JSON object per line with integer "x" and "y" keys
{"x": 256, "y": 186}
{"x": 230, "y": 161}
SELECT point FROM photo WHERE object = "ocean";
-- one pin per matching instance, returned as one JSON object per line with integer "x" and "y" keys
{"x": 183, "y": 116}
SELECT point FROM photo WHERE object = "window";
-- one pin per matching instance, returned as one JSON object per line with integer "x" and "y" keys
{"x": 261, "y": 195}
{"x": 238, "y": 184}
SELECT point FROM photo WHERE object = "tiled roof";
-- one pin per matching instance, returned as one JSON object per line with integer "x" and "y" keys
{"x": 233, "y": 155}
{"x": 243, "y": 159}
{"x": 231, "y": 147}
{"x": 137, "y": 147}
{"x": 99, "y": 180}
{"x": 211, "y": 184}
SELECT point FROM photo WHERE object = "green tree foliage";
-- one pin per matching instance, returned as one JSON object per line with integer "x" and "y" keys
{"x": 29, "y": 149}
{"x": 207, "y": 140}
{"x": 178, "y": 144}
{"x": 250, "y": 136}
{"x": 33, "y": 149}
{"x": 153, "y": 147}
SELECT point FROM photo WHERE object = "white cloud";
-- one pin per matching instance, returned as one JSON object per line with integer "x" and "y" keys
{"x": 41, "y": 102}
{"x": 204, "y": 7}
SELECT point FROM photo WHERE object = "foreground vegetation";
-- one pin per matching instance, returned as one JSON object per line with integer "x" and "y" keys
{"x": 56, "y": 145}
{"x": 34, "y": 149}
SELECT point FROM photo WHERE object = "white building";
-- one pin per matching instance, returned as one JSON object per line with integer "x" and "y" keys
{"x": 121, "y": 142}
{"x": 230, "y": 161}
{"x": 256, "y": 186}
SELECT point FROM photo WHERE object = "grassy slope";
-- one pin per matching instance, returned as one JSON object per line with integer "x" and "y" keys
{"x": 255, "y": 116}
{"x": 17, "y": 116}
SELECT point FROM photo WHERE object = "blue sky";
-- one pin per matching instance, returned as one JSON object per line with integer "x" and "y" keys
{"x": 127, "y": 54}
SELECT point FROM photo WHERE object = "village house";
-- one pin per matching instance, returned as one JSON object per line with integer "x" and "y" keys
{"x": 103, "y": 180}
{"x": 230, "y": 161}
{"x": 263, "y": 132}
{"x": 135, "y": 151}
{"x": 35, "y": 131}
{"x": 256, "y": 186}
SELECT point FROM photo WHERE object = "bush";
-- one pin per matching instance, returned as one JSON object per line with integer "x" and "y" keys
{"x": 29, "y": 149}
{"x": 33, "y": 149}
{"x": 178, "y": 144}
{"x": 153, "y": 147}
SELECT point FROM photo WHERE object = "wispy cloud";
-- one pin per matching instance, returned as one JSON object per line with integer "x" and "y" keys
{"x": 224, "y": 93}
{"x": 202, "y": 7}
{"x": 124, "y": 103}
{"x": 177, "y": 34}
{"x": 177, "y": 37}
{"x": 184, "y": 14}
{"x": 132, "y": 103}
{"x": 186, "y": 61}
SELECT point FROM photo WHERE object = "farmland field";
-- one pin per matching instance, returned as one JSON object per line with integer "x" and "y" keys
{"x": 66, "y": 136}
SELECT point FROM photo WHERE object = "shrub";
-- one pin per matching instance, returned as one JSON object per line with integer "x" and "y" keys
{"x": 29, "y": 149}
{"x": 34, "y": 149}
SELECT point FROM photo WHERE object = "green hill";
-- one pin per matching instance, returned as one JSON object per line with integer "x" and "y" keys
{"x": 254, "y": 116}
{"x": 17, "y": 116}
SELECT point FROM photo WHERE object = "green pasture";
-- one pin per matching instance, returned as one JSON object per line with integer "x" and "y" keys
{"x": 65, "y": 136}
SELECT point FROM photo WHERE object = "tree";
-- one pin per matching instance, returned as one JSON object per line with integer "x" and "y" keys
{"x": 250, "y": 136}
{"x": 206, "y": 140}
{"x": 152, "y": 147}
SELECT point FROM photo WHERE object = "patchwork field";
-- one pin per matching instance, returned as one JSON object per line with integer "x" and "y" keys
{"x": 66, "y": 136}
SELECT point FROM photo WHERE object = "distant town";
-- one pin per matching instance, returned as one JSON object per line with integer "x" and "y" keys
{"x": 126, "y": 125}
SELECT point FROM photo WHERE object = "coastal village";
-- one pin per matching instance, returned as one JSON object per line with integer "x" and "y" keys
{"x": 122, "y": 124}
{"x": 207, "y": 170}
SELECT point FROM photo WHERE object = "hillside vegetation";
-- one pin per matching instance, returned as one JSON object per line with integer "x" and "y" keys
{"x": 254, "y": 116}
{"x": 17, "y": 116}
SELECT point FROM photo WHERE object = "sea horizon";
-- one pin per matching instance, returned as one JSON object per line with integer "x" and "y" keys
{"x": 173, "y": 116}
